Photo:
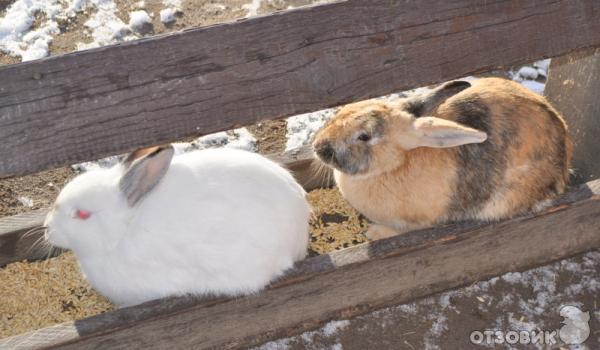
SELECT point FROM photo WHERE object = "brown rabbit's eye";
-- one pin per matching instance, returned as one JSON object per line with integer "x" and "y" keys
{"x": 364, "y": 137}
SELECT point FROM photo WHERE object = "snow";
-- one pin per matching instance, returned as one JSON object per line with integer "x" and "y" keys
{"x": 307, "y": 339}
{"x": 534, "y": 86}
{"x": 252, "y": 8}
{"x": 334, "y": 326}
{"x": 528, "y": 73}
{"x": 281, "y": 344}
{"x": 301, "y": 128}
{"x": 97, "y": 164}
{"x": 139, "y": 19}
{"x": 238, "y": 138}
{"x": 167, "y": 15}
{"x": 16, "y": 35}
{"x": 512, "y": 277}
{"x": 172, "y": 7}
{"x": 172, "y": 3}
{"x": 25, "y": 201}
{"x": 543, "y": 64}
{"x": 106, "y": 27}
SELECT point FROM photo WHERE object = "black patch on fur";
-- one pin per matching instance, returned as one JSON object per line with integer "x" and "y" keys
{"x": 480, "y": 166}
{"x": 375, "y": 125}
{"x": 426, "y": 103}
{"x": 352, "y": 161}
{"x": 415, "y": 107}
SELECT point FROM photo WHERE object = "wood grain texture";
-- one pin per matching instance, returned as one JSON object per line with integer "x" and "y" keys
{"x": 19, "y": 239}
{"x": 572, "y": 88}
{"x": 90, "y": 104}
{"x": 342, "y": 284}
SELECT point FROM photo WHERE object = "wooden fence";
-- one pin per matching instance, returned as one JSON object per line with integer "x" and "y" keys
{"x": 90, "y": 104}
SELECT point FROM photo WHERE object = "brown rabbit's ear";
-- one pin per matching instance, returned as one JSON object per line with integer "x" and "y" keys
{"x": 429, "y": 101}
{"x": 144, "y": 168}
{"x": 440, "y": 133}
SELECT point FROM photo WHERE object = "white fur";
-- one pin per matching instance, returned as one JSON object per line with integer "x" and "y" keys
{"x": 221, "y": 221}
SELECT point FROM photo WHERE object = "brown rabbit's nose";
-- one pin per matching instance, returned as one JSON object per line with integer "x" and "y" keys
{"x": 324, "y": 150}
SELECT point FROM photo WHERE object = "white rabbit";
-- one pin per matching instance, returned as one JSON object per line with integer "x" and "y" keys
{"x": 210, "y": 222}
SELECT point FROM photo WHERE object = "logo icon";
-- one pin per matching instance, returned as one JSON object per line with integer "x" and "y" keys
{"x": 576, "y": 329}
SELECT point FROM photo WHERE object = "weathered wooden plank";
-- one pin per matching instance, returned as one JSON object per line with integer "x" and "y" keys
{"x": 342, "y": 284}
{"x": 19, "y": 239}
{"x": 572, "y": 88}
{"x": 86, "y": 105}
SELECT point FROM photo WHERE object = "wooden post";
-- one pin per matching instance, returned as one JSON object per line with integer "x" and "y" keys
{"x": 573, "y": 87}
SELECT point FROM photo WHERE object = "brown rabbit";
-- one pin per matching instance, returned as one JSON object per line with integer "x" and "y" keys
{"x": 485, "y": 150}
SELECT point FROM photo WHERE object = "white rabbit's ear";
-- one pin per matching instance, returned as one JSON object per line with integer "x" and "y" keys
{"x": 440, "y": 133}
{"x": 144, "y": 168}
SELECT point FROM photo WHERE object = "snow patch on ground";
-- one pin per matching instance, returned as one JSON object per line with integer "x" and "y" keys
{"x": 172, "y": 3}
{"x": 529, "y": 76}
{"x": 307, "y": 338}
{"x": 172, "y": 7}
{"x": 25, "y": 201}
{"x": 167, "y": 15}
{"x": 238, "y": 138}
{"x": 301, "y": 128}
{"x": 252, "y": 8}
{"x": 97, "y": 164}
{"x": 105, "y": 26}
{"x": 139, "y": 19}
{"x": 18, "y": 39}
{"x": 334, "y": 326}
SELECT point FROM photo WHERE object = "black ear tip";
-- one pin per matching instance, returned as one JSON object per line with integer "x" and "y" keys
{"x": 460, "y": 84}
{"x": 162, "y": 149}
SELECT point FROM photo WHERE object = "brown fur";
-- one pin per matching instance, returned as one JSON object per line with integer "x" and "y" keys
{"x": 525, "y": 159}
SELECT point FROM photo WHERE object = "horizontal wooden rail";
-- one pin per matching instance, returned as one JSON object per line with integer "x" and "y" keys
{"x": 342, "y": 284}
{"x": 20, "y": 241}
{"x": 89, "y": 104}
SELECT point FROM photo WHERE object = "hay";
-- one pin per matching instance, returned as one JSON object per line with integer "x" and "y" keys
{"x": 44, "y": 293}
{"x": 334, "y": 224}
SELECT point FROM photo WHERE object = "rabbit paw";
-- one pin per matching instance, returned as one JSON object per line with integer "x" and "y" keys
{"x": 376, "y": 232}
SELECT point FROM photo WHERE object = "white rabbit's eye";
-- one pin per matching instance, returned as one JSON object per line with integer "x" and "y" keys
{"x": 81, "y": 214}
